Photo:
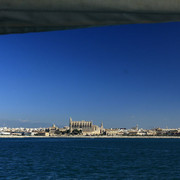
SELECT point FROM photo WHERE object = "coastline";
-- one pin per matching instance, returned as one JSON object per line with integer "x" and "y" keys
{"x": 98, "y": 137}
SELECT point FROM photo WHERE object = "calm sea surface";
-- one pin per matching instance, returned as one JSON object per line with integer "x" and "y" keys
{"x": 33, "y": 158}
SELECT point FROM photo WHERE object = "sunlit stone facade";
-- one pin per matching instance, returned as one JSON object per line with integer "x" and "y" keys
{"x": 87, "y": 127}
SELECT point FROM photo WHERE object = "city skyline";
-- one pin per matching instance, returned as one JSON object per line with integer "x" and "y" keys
{"x": 121, "y": 75}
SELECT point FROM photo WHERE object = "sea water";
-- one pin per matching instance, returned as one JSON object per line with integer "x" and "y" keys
{"x": 87, "y": 158}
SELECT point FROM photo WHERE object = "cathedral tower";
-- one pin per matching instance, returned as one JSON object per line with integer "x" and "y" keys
{"x": 70, "y": 124}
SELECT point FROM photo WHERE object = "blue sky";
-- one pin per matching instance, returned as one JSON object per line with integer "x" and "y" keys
{"x": 121, "y": 75}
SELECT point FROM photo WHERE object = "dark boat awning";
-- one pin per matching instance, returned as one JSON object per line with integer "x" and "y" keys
{"x": 21, "y": 16}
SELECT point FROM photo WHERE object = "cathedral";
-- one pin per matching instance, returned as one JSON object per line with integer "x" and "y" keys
{"x": 87, "y": 127}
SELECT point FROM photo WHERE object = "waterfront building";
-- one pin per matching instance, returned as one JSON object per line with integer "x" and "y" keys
{"x": 5, "y": 133}
{"x": 112, "y": 131}
{"x": 52, "y": 130}
{"x": 42, "y": 134}
{"x": 87, "y": 127}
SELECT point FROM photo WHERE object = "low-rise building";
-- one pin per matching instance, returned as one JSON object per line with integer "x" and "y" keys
{"x": 112, "y": 132}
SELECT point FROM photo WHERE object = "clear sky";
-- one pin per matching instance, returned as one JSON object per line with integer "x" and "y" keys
{"x": 121, "y": 75}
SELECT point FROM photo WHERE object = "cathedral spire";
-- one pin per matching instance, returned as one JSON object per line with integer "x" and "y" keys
{"x": 70, "y": 124}
{"x": 101, "y": 125}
